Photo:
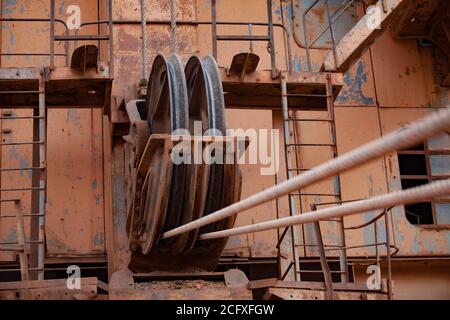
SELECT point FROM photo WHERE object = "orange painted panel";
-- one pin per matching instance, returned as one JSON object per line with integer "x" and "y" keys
{"x": 75, "y": 211}
{"x": 355, "y": 127}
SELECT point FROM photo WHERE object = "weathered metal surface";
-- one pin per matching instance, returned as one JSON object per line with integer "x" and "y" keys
{"x": 305, "y": 294}
{"x": 85, "y": 57}
{"x": 417, "y": 17}
{"x": 90, "y": 87}
{"x": 48, "y": 290}
{"x": 393, "y": 74}
{"x": 361, "y": 36}
{"x": 75, "y": 139}
{"x": 412, "y": 240}
{"x": 231, "y": 285}
{"x": 417, "y": 279}
{"x": 258, "y": 90}
{"x": 315, "y": 21}
{"x": 162, "y": 194}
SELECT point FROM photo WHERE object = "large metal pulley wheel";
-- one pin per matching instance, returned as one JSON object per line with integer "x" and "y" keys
{"x": 163, "y": 195}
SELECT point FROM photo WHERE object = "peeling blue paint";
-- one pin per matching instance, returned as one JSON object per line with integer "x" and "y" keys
{"x": 353, "y": 90}
{"x": 94, "y": 184}
{"x": 431, "y": 246}
{"x": 9, "y": 6}
{"x": 11, "y": 40}
{"x": 415, "y": 246}
{"x": 297, "y": 64}
{"x": 98, "y": 239}
{"x": 369, "y": 232}
{"x": 61, "y": 8}
{"x": 98, "y": 199}
{"x": 72, "y": 117}
{"x": 23, "y": 161}
{"x": 288, "y": 11}
{"x": 12, "y": 236}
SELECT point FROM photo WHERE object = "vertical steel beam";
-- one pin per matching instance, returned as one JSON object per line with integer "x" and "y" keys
{"x": 52, "y": 33}
{"x": 214, "y": 28}
{"x": 333, "y": 37}
{"x": 387, "y": 223}
{"x": 271, "y": 45}
{"x": 111, "y": 40}
{"x": 144, "y": 40}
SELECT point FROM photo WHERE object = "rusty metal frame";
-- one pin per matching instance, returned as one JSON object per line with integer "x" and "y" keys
{"x": 38, "y": 20}
{"x": 76, "y": 37}
{"x": 331, "y": 20}
{"x": 52, "y": 20}
{"x": 427, "y": 153}
{"x": 269, "y": 38}
{"x": 217, "y": 23}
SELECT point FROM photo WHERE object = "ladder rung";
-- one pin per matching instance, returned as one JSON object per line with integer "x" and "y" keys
{"x": 15, "y": 243}
{"x": 336, "y": 202}
{"x": 242, "y": 38}
{"x": 316, "y": 245}
{"x": 318, "y": 271}
{"x": 10, "y": 216}
{"x": 81, "y": 37}
{"x": 21, "y": 92}
{"x": 12, "y": 248}
{"x": 21, "y": 118}
{"x": 18, "y": 270}
{"x": 307, "y": 95}
{"x": 315, "y": 194}
{"x": 20, "y": 143}
{"x": 308, "y": 120}
{"x": 310, "y": 145}
{"x": 22, "y": 169}
{"x": 21, "y": 189}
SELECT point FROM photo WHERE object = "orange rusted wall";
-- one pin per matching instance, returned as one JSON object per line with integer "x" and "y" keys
{"x": 75, "y": 208}
{"x": 415, "y": 280}
{"x": 390, "y": 85}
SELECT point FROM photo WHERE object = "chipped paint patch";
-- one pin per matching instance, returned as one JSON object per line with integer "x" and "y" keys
{"x": 98, "y": 239}
{"x": 9, "y": 6}
{"x": 73, "y": 117}
{"x": 353, "y": 90}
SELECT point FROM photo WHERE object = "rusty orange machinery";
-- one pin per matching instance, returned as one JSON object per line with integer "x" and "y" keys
{"x": 162, "y": 193}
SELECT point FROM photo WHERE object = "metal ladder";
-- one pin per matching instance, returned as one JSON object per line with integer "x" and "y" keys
{"x": 38, "y": 187}
{"x": 291, "y": 148}
{"x": 20, "y": 246}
